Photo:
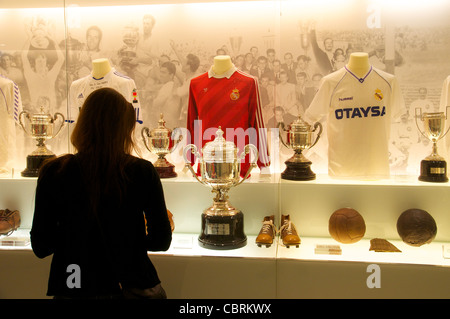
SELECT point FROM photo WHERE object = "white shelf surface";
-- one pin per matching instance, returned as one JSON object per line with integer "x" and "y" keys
{"x": 187, "y": 245}
{"x": 428, "y": 254}
{"x": 182, "y": 245}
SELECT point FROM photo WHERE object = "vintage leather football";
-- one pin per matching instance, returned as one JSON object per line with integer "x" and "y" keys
{"x": 416, "y": 227}
{"x": 346, "y": 226}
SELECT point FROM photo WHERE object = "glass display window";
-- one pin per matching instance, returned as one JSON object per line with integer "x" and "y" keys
{"x": 289, "y": 46}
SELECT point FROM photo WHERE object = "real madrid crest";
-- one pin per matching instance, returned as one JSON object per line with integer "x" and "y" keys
{"x": 378, "y": 95}
{"x": 234, "y": 94}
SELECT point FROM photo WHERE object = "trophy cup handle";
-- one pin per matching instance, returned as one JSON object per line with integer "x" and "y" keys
{"x": 247, "y": 149}
{"x": 21, "y": 122}
{"x": 418, "y": 114}
{"x": 55, "y": 117}
{"x": 194, "y": 150}
{"x": 180, "y": 138}
{"x": 317, "y": 125}
{"x": 281, "y": 137}
{"x": 145, "y": 133}
{"x": 446, "y": 113}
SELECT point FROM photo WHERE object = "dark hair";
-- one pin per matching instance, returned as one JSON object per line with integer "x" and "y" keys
{"x": 103, "y": 138}
{"x": 170, "y": 67}
{"x": 95, "y": 28}
{"x": 193, "y": 61}
{"x": 304, "y": 58}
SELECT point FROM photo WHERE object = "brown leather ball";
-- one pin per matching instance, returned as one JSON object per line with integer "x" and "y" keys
{"x": 346, "y": 226}
{"x": 416, "y": 227}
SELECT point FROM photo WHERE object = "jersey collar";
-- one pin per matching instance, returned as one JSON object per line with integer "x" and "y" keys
{"x": 361, "y": 80}
{"x": 106, "y": 75}
{"x": 227, "y": 74}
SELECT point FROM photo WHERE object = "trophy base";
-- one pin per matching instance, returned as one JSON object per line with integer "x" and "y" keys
{"x": 298, "y": 170}
{"x": 165, "y": 169}
{"x": 433, "y": 171}
{"x": 222, "y": 232}
{"x": 166, "y": 172}
{"x": 34, "y": 163}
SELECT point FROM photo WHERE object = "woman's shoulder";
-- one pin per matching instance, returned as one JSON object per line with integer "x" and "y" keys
{"x": 58, "y": 162}
{"x": 138, "y": 161}
{"x": 140, "y": 165}
{"x": 56, "y": 165}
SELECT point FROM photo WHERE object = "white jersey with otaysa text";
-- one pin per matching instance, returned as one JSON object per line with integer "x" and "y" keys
{"x": 81, "y": 88}
{"x": 358, "y": 113}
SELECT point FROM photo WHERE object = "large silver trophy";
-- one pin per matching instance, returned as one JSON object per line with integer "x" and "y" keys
{"x": 434, "y": 167}
{"x": 160, "y": 143}
{"x": 299, "y": 139}
{"x": 39, "y": 126}
{"x": 222, "y": 224}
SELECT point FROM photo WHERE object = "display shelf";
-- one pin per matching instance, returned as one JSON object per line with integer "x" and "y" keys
{"x": 190, "y": 271}
{"x": 416, "y": 272}
{"x": 187, "y": 245}
{"x": 182, "y": 245}
{"x": 435, "y": 253}
{"x": 429, "y": 254}
{"x": 309, "y": 204}
{"x": 380, "y": 202}
{"x": 18, "y": 240}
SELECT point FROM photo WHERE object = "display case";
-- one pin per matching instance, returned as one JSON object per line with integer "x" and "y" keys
{"x": 53, "y": 43}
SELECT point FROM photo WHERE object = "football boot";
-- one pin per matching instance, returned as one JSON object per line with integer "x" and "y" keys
{"x": 288, "y": 233}
{"x": 9, "y": 221}
{"x": 267, "y": 232}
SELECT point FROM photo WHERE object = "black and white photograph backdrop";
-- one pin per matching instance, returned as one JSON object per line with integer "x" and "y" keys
{"x": 289, "y": 46}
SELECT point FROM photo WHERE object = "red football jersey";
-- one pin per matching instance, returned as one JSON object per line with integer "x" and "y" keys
{"x": 232, "y": 102}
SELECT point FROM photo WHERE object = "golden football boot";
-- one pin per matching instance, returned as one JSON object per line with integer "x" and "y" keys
{"x": 9, "y": 221}
{"x": 288, "y": 233}
{"x": 267, "y": 232}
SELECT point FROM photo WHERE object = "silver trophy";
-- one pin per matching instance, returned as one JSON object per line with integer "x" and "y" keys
{"x": 39, "y": 126}
{"x": 299, "y": 139}
{"x": 160, "y": 143}
{"x": 434, "y": 167}
{"x": 222, "y": 224}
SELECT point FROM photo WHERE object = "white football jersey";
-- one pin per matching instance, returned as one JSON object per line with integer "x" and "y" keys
{"x": 10, "y": 108}
{"x": 444, "y": 107}
{"x": 358, "y": 114}
{"x": 81, "y": 88}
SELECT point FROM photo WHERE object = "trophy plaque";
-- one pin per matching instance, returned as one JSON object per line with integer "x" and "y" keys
{"x": 160, "y": 143}
{"x": 222, "y": 224}
{"x": 434, "y": 167}
{"x": 40, "y": 127}
{"x": 299, "y": 138}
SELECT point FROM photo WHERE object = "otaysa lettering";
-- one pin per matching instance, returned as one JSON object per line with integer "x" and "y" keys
{"x": 360, "y": 112}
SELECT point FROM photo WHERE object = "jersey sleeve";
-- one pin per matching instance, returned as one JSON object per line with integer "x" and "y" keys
{"x": 445, "y": 94}
{"x": 13, "y": 100}
{"x": 192, "y": 117}
{"x": 318, "y": 109}
{"x": 444, "y": 102}
{"x": 257, "y": 122}
{"x": 17, "y": 102}
{"x": 397, "y": 102}
{"x": 74, "y": 102}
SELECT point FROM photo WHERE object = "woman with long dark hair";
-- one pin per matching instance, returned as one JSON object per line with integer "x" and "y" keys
{"x": 99, "y": 211}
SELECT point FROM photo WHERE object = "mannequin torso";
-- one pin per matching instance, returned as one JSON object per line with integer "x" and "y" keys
{"x": 100, "y": 67}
